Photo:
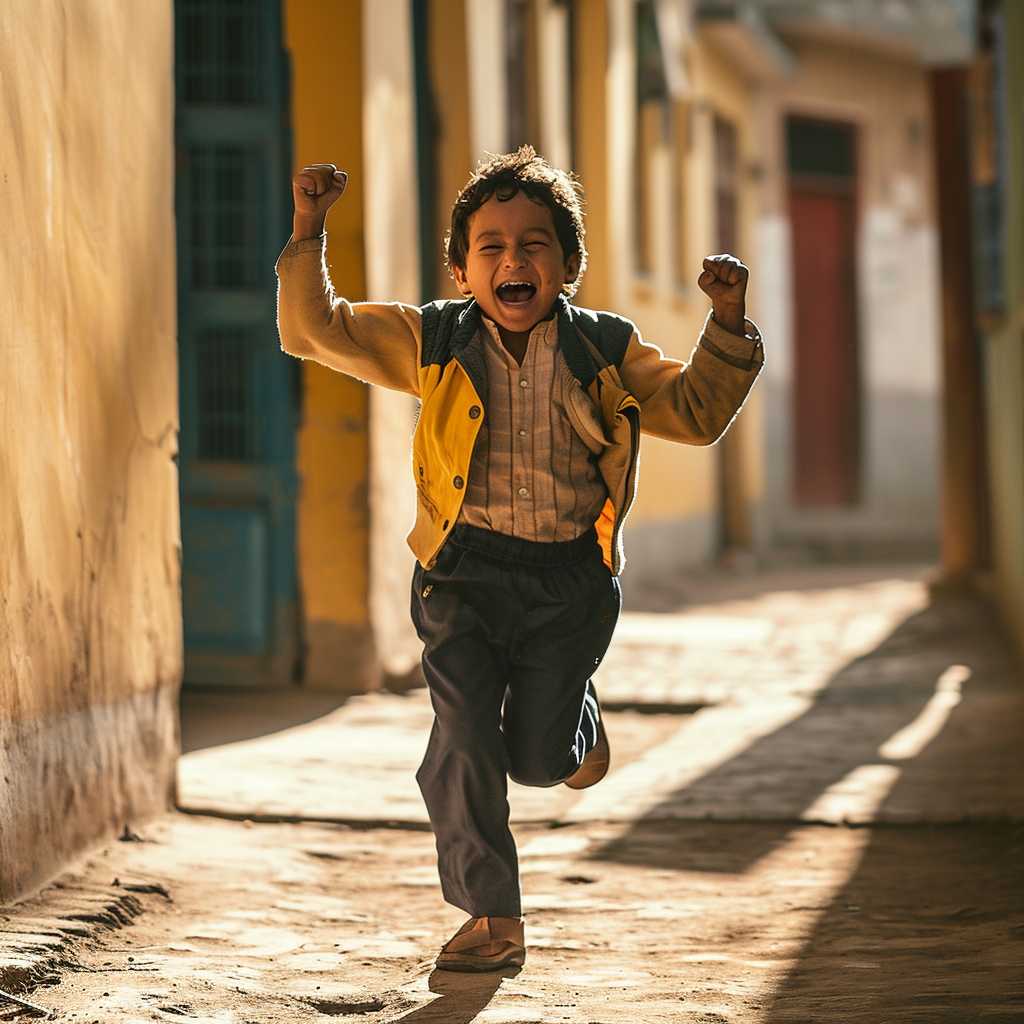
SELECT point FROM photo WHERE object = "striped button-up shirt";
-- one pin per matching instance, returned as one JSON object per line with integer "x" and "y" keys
{"x": 533, "y": 473}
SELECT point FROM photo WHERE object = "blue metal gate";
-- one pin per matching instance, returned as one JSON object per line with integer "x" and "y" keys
{"x": 238, "y": 391}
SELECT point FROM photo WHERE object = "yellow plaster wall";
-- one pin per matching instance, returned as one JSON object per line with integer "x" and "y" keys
{"x": 678, "y": 482}
{"x": 449, "y": 83}
{"x": 90, "y": 607}
{"x": 324, "y": 40}
{"x": 721, "y": 85}
{"x": 590, "y": 48}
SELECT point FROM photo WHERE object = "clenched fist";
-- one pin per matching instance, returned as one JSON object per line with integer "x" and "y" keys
{"x": 316, "y": 189}
{"x": 724, "y": 281}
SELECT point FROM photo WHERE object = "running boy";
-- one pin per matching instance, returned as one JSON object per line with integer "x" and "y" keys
{"x": 525, "y": 461}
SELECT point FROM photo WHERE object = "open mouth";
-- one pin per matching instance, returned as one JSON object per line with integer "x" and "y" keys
{"x": 516, "y": 292}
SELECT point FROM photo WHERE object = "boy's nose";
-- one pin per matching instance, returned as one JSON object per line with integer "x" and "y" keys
{"x": 515, "y": 256}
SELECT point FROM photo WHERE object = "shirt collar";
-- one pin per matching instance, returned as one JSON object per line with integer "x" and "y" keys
{"x": 546, "y": 330}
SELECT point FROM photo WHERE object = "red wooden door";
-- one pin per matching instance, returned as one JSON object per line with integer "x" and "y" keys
{"x": 826, "y": 399}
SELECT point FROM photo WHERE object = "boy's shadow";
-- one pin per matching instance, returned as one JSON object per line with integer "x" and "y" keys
{"x": 462, "y": 996}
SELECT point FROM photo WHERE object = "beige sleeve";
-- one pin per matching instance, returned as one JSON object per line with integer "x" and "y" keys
{"x": 378, "y": 342}
{"x": 693, "y": 402}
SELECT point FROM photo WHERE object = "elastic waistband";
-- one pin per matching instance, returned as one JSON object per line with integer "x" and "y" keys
{"x": 536, "y": 554}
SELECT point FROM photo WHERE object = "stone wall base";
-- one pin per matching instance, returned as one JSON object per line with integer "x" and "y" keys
{"x": 71, "y": 781}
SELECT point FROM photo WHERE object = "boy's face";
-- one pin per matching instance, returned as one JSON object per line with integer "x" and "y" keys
{"x": 515, "y": 267}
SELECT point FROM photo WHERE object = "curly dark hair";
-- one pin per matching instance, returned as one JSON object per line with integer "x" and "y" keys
{"x": 507, "y": 175}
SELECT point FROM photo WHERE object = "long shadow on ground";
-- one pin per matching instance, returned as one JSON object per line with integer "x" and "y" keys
{"x": 779, "y": 777}
{"x": 929, "y": 927}
{"x": 211, "y": 715}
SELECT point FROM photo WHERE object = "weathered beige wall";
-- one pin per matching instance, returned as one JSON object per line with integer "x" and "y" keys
{"x": 675, "y": 522}
{"x": 679, "y": 484}
{"x": 90, "y": 624}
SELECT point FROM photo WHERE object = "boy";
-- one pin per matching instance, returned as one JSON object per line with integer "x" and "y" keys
{"x": 525, "y": 458}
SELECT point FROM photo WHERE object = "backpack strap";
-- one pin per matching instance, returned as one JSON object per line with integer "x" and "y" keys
{"x": 448, "y": 326}
{"x": 591, "y": 341}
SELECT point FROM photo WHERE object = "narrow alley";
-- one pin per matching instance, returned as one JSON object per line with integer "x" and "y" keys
{"x": 811, "y": 816}
{"x": 303, "y": 299}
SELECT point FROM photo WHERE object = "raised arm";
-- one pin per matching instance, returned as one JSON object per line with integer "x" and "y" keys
{"x": 695, "y": 402}
{"x": 378, "y": 342}
{"x": 375, "y": 342}
{"x": 315, "y": 189}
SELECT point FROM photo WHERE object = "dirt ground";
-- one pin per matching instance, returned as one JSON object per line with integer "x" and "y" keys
{"x": 708, "y": 880}
{"x": 710, "y": 923}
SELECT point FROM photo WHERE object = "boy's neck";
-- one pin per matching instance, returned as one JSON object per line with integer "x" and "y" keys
{"x": 515, "y": 343}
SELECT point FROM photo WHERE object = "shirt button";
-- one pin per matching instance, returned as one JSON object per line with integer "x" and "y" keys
{"x": 522, "y": 433}
{"x": 524, "y": 383}
{"x": 474, "y": 412}
{"x": 459, "y": 483}
{"x": 523, "y": 492}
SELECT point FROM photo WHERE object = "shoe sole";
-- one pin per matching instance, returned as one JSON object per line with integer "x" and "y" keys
{"x": 469, "y": 964}
{"x": 588, "y": 775}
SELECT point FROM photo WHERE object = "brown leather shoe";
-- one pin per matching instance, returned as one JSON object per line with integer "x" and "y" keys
{"x": 595, "y": 763}
{"x": 484, "y": 944}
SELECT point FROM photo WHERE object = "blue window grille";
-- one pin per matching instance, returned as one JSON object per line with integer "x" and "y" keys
{"x": 226, "y": 395}
{"x": 237, "y": 466}
{"x": 219, "y": 48}
{"x": 224, "y": 210}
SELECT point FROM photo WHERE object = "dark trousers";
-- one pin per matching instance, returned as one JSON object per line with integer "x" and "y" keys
{"x": 512, "y": 631}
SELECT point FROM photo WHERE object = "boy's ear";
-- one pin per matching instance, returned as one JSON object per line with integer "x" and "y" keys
{"x": 461, "y": 283}
{"x": 572, "y": 268}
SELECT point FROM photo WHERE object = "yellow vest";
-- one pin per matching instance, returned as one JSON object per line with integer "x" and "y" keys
{"x": 452, "y": 413}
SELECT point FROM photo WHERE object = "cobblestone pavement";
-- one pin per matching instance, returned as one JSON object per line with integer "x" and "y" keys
{"x": 814, "y": 815}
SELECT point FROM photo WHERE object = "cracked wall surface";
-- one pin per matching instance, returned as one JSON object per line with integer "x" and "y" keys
{"x": 90, "y": 620}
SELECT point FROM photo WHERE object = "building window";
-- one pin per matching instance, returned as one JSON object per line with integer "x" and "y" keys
{"x": 988, "y": 130}
{"x": 649, "y": 128}
{"x": 219, "y": 42}
{"x": 819, "y": 149}
{"x": 226, "y": 395}
{"x": 726, "y": 191}
{"x": 681, "y": 136}
{"x": 521, "y": 65}
{"x": 651, "y": 80}
{"x": 223, "y": 218}
{"x": 651, "y": 122}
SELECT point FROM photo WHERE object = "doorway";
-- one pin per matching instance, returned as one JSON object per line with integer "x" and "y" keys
{"x": 237, "y": 390}
{"x": 826, "y": 383}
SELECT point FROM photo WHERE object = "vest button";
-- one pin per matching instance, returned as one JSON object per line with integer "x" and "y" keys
{"x": 474, "y": 412}
{"x": 459, "y": 483}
